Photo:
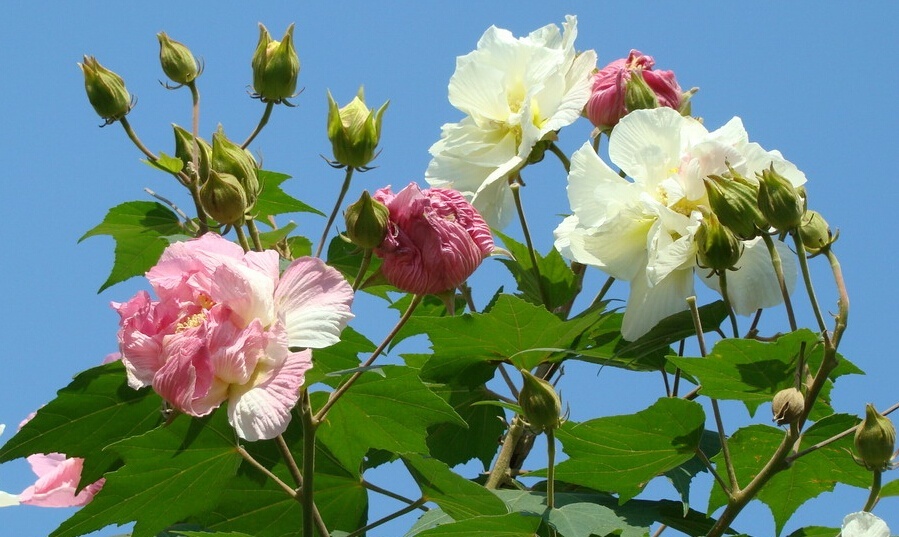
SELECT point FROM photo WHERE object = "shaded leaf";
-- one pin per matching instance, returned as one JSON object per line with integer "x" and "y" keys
{"x": 391, "y": 413}
{"x": 509, "y": 525}
{"x": 339, "y": 357}
{"x": 815, "y": 531}
{"x": 682, "y": 476}
{"x": 169, "y": 474}
{"x": 622, "y": 453}
{"x": 457, "y": 496}
{"x": 95, "y": 410}
{"x": 139, "y": 229}
{"x": 347, "y": 258}
{"x": 273, "y": 200}
{"x": 556, "y": 276}
{"x": 455, "y": 444}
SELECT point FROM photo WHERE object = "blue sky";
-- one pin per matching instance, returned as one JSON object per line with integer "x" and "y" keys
{"x": 814, "y": 80}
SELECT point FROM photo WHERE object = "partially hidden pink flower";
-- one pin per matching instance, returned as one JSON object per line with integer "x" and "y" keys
{"x": 435, "y": 239}
{"x": 222, "y": 329}
{"x": 606, "y": 105}
{"x": 57, "y": 480}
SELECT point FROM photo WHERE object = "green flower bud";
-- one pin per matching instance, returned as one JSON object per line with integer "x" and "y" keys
{"x": 815, "y": 232}
{"x": 779, "y": 201}
{"x": 875, "y": 440}
{"x": 735, "y": 204}
{"x": 787, "y": 406}
{"x": 716, "y": 245}
{"x": 354, "y": 130}
{"x": 178, "y": 63}
{"x": 366, "y": 222}
{"x": 228, "y": 157}
{"x": 638, "y": 95}
{"x": 184, "y": 150}
{"x": 224, "y": 198}
{"x": 276, "y": 67}
{"x": 105, "y": 90}
{"x": 540, "y": 403}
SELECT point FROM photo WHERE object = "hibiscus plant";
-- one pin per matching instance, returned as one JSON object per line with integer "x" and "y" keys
{"x": 244, "y": 401}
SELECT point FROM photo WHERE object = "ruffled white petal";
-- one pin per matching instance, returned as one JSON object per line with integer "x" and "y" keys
{"x": 595, "y": 192}
{"x": 864, "y": 524}
{"x": 313, "y": 300}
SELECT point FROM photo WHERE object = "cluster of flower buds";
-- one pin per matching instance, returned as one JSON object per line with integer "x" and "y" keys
{"x": 232, "y": 185}
{"x": 630, "y": 84}
{"x": 354, "y": 131}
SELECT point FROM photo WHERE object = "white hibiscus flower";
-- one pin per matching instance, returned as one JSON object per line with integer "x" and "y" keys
{"x": 864, "y": 524}
{"x": 643, "y": 230}
{"x": 515, "y": 92}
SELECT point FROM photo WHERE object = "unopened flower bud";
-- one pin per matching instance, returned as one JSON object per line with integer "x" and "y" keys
{"x": 787, "y": 406}
{"x": 716, "y": 245}
{"x": 354, "y": 130}
{"x": 224, "y": 198}
{"x": 779, "y": 201}
{"x": 184, "y": 150}
{"x": 875, "y": 439}
{"x": 540, "y": 403}
{"x": 178, "y": 62}
{"x": 815, "y": 232}
{"x": 735, "y": 204}
{"x": 276, "y": 67}
{"x": 638, "y": 95}
{"x": 366, "y": 222}
{"x": 105, "y": 90}
{"x": 228, "y": 157}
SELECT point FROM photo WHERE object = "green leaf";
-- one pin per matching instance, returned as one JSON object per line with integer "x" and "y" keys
{"x": 682, "y": 476}
{"x": 817, "y": 472}
{"x": 96, "y": 409}
{"x": 273, "y": 200}
{"x": 347, "y": 258}
{"x": 457, "y": 496}
{"x": 211, "y": 534}
{"x": 169, "y": 474}
{"x": 252, "y": 504}
{"x": 622, "y": 453}
{"x": 270, "y": 238}
{"x": 165, "y": 163}
{"x": 632, "y": 518}
{"x": 457, "y": 444}
{"x": 890, "y": 489}
{"x": 430, "y": 306}
{"x": 555, "y": 275}
{"x": 675, "y": 328}
{"x": 815, "y": 531}
{"x": 391, "y": 413}
{"x": 467, "y": 347}
{"x": 750, "y": 448}
{"x": 509, "y": 525}
{"x": 139, "y": 229}
{"x": 340, "y": 357}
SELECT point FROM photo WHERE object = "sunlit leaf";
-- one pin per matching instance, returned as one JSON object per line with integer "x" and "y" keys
{"x": 139, "y": 229}
{"x": 274, "y": 201}
{"x": 556, "y": 277}
{"x": 509, "y": 525}
{"x": 622, "y": 453}
{"x": 457, "y": 496}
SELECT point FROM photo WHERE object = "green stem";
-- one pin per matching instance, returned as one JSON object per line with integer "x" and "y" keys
{"x": 500, "y": 468}
{"x": 605, "y": 289}
{"x": 562, "y": 156}
{"x": 363, "y": 268}
{"x": 136, "y": 141}
{"x": 516, "y": 194}
{"x": 343, "y": 191}
{"x": 256, "y": 464}
{"x": 843, "y": 316}
{"x": 262, "y": 122}
{"x": 779, "y": 272}
{"x": 290, "y": 461}
{"x": 254, "y": 235}
{"x": 242, "y": 238}
{"x": 194, "y": 183}
{"x": 722, "y": 282}
{"x": 310, "y": 424}
{"x": 338, "y": 393}
{"x": 408, "y": 509}
{"x": 550, "y": 468}
{"x": 874, "y": 496}
{"x": 835, "y": 437}
{"x": 807, "y": 277}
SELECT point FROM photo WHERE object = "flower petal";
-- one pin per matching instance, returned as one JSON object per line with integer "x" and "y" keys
{"x": 864, "y": 524}
{"x": 313, "y": 301}
{"x": 647, "y": 305}
{"x": 263, "y": 411}
{"x": 58, "y": 478}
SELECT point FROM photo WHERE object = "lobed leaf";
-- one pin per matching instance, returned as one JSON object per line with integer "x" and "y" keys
{"x": 458, "y": 497}
{"x": 273, "y": 200}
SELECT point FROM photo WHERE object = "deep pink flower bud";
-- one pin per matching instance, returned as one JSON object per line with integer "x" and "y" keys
{"x": 435, "y": 239}
{"x": 606, "y": 105}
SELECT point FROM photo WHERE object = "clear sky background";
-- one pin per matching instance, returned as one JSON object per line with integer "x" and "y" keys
{"x": 814, "y": 80}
